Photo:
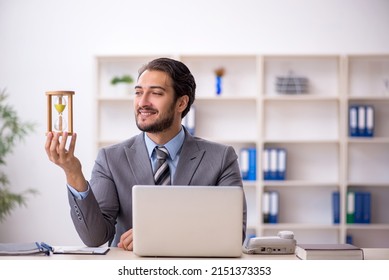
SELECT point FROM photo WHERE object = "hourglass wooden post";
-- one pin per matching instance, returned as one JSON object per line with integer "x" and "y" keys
{"x": 63, "y": 100}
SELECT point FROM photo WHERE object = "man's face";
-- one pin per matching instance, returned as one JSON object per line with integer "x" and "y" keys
{"x": 154, "y": 102}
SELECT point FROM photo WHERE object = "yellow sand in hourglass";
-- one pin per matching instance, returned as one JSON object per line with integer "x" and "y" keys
{"x": 62, "y": 102}
{"x": 60, "y": 105}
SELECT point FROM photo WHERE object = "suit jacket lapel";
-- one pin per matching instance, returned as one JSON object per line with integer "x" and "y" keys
{"x": 190, "y": 158}
{"x": 139, "y": 162}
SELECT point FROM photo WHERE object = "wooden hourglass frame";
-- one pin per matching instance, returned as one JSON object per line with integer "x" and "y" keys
{"x": 64, "y": 100}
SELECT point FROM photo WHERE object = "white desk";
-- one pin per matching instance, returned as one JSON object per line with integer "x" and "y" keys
{"x": 120, "y": 254}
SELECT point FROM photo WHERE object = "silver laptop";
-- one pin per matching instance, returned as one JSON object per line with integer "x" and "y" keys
{"x": 187, "y": 221}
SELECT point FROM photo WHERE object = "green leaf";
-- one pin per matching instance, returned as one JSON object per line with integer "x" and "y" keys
{"x": 12, "y": 131}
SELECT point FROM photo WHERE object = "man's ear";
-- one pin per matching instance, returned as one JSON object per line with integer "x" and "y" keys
{"x": 182, "y": 103}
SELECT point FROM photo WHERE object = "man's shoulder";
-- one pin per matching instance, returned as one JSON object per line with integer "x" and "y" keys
{"x": 203, "y": 143}
{"x": 123, "y": 144}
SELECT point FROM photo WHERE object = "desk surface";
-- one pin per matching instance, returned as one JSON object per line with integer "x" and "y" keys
{"x": 120, "y": 254}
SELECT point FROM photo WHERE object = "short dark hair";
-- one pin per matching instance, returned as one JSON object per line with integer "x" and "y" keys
{"x": 183, "y": 80}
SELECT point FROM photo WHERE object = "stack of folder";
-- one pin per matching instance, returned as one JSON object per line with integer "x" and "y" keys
{"x": 358, "y": 207}
{"x": 361, "y": 121}
{"x": 270, "y": 206}
{"x": 274, "y": 164}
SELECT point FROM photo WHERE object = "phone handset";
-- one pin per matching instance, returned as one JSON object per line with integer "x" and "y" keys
{"x": 283, "y": 243}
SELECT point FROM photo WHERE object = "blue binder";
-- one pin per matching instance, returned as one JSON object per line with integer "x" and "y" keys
{"x": 369, "y": 132}
{"x": 353, "y": 121}
{"x": 244, "y": 163}
{"x": 248, "y": 163}
{"x": 273, "y": 155}
{"x": 366, "y": 215}
{"x": 336, "y": 207}
{"x": 274, "y": 207}
{"x": 361, "y": 128}
{"x": 266, "y": 164}
{"x": 266, "y": 206}
{"x": 358, "y": 216}
{"x": 281, "y": 164}
{"x": 252, "y": 173}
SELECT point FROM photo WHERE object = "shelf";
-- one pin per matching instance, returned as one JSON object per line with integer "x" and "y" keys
{"x": 296, "y": 183}
{"x": 312, "y": 127}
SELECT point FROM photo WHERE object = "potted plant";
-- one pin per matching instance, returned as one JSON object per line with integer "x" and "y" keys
{"x": 121, "y": 84}
{"x": 12, "y": 130}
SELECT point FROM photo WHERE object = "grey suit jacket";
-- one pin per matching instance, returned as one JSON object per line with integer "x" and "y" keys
{"x": 106, "y": 213}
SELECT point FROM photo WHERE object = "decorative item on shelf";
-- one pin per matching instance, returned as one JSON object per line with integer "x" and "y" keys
{"x": 219, "y": 72}
{"x": 62, "y": 100}
{"x": 291, "y": 84}
{"x": 12, "y": 130}
{"x": 122, "y": 83}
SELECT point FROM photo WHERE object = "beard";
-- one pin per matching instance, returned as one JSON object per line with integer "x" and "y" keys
{"x": 159, "y": 125}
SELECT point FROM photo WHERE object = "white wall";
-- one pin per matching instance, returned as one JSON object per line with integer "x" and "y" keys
{"x": 50, "y": 45}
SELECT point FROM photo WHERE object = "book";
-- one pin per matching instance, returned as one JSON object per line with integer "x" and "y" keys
{"x": 328, "y": 252}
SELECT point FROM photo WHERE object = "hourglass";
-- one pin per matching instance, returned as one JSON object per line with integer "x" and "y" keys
{"x": 63, "y": 111}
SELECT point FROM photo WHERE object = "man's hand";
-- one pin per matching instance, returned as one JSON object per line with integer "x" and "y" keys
{"x": 126, "y": 241}
{"x": 56, "y": 151}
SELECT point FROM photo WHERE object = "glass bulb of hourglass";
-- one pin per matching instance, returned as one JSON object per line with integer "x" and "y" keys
{"x": 60, "y": 124}
{"x": 60, "y": 105}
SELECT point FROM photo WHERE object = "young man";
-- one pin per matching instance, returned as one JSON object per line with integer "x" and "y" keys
{"x": 101, "y": 208}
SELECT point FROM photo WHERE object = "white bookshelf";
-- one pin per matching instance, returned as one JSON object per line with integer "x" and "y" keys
{"x": 367, "y": 159}
{"x": 312, "y": 127}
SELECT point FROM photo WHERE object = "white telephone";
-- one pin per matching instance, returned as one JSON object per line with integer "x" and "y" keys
{"x": 283, "y": 243}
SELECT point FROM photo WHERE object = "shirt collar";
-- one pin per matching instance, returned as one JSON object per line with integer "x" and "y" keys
{"x": 173, "y": 146}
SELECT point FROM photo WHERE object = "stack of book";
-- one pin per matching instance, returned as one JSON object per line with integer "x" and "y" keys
{"x": 274, "y": 163}
{"x": 328, "y": 252}
{"x": 361, "y": 121}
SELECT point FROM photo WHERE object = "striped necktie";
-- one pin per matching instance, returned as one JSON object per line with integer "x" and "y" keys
{"x": 162, "y": 172}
